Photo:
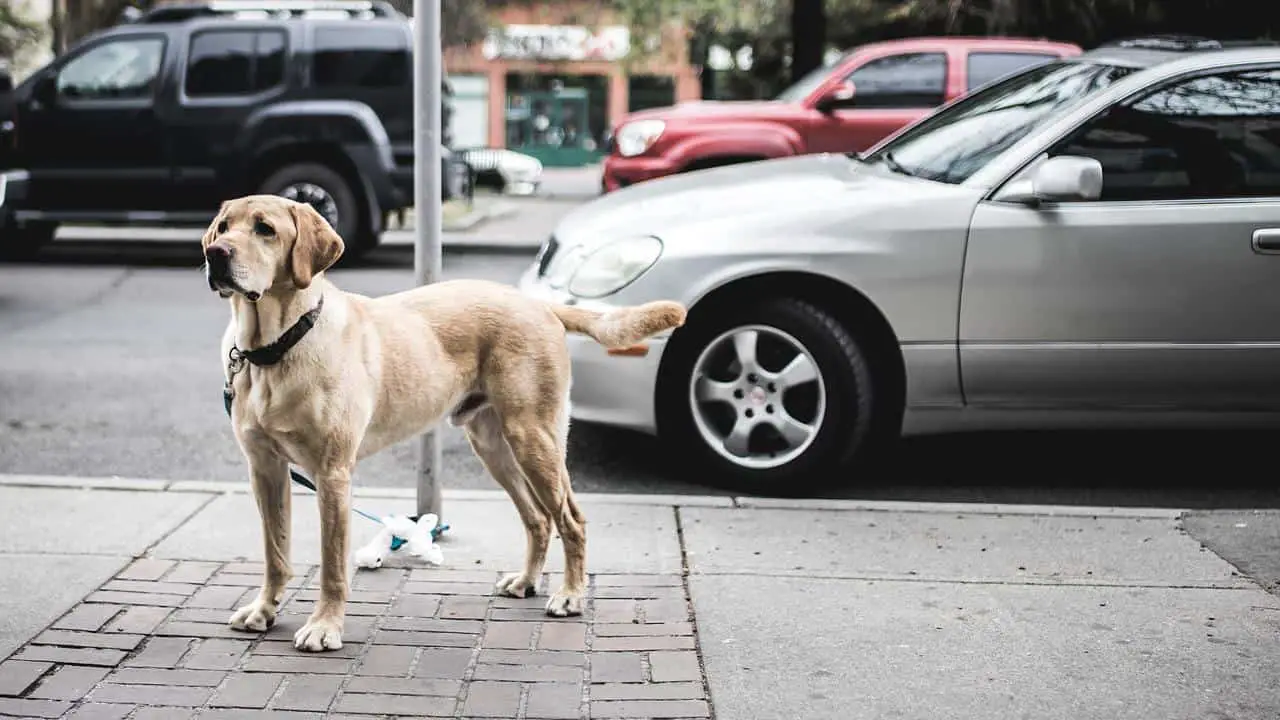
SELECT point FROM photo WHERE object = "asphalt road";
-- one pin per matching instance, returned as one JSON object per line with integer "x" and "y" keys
{"x": 109, "y": 366}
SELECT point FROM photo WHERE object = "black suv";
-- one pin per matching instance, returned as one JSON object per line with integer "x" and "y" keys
{"x": 160, "y": 119}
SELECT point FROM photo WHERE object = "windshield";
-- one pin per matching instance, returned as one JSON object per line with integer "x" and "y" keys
{"x": 960, "y": 140}
{"x": 810, "y": 82}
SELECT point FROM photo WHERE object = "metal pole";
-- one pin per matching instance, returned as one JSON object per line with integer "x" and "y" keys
{"x": 426, "y": 202}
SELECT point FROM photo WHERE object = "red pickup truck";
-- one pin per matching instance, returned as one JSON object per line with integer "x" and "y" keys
{"x": 847, "y": 106}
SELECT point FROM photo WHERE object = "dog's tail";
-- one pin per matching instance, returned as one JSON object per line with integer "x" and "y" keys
{"x": 622, "y": 327}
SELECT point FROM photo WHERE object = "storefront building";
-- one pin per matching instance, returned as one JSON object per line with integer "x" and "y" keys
{"x": 550, "y": 81}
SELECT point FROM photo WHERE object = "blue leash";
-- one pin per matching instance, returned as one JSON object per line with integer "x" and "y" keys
{"x": 304, "y": 481}
{"x": 396, "y": 540}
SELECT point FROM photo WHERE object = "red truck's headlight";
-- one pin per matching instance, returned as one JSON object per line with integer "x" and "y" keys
{"x": 636, "y": 137}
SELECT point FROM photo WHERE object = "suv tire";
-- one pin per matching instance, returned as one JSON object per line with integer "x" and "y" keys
{"x": 330, "y": 194}
{"x": 835, "y": 431}
{"x": 21, "y": 242}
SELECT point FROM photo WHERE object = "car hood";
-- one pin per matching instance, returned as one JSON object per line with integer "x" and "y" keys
{"x": 807, "y": 190}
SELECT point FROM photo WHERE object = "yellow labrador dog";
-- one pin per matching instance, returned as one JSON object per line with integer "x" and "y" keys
{"x": 321, "y": 378}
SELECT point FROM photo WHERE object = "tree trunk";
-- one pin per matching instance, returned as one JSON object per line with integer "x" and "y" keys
{"x": 808, "y": 36}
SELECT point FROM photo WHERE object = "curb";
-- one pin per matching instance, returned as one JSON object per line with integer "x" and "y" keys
{"x": 491, "y": 248}
{"x": 453, "y": 242}
{"x": 477, "y": 216}
{"x": 703, "y": 501}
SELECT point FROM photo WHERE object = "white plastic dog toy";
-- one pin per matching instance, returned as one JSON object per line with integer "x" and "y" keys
{"x": 416, "y": 536}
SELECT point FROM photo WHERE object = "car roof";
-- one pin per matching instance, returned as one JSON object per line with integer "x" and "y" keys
{"x": 1150, "y": 51}
{"x": 967, "y": 41}
{"x": 279, "y": 10}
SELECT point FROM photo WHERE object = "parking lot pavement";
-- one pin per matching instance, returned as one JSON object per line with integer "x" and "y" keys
{"x": 108, "y": 365}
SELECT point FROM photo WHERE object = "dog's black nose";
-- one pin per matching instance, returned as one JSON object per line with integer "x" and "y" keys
{"x": 219, "y": 259}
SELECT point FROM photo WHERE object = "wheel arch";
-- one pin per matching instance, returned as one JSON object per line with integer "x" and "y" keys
{"x": 850, "y": 307}
{"x": 318, "y": 153}
{"x": 714, "y": 161}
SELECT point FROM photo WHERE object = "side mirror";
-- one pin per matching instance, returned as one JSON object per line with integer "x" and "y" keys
{"x": 1061, "y": 178}
{"x": 839, "y": 96}
{"x": 45, "y": 90}
{"x": 6, "y": 81}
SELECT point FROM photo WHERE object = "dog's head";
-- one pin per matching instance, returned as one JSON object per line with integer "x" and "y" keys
{"x": 264, "y": 242}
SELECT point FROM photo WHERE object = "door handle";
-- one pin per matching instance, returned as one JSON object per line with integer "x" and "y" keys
{"x": 1266, "y": 241}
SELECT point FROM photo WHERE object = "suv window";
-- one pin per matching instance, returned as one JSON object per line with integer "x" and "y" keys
{"x": 984, "y": 67}
{"x": 910, "y": 80}
{"x": 1213, "y": 136}
{"x": 115, "y": 70}
{"x": 234, "y": 62}
{"x": 368, "y": 57}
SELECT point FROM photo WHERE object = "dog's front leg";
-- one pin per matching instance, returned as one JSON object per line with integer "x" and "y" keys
{"x": 269, "y": 476}
{"x": 323, "y": 630}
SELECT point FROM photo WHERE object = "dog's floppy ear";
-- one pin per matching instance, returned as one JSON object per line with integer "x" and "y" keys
{"x": 316, "y": 244}
{"x": 212, "y": 233}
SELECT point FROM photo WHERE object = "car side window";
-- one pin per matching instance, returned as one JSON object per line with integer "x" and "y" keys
{"x": 985, "y": 67}
{"x": 909, "y": 80}
{"x": 121, "y": 69}
{"x": 1210, "y": 137}
{"x": 368, "y": 57}
{"x": 224, "y": 63}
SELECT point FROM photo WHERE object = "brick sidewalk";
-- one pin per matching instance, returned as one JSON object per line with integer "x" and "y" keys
{"x": 153, "y": 643}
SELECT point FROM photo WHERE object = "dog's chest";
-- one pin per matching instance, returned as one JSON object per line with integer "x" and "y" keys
{"x": 281, "y": 413}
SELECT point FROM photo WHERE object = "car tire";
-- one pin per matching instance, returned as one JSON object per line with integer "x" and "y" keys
{"x": 21, "y": 242}
{"x": 331, "y": 194}
{"x": 830, "y": 393}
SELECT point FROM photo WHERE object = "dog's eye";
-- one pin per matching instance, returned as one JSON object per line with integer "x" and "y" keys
{"x": 262, "y": 228}
{"x": 222, "y": 227}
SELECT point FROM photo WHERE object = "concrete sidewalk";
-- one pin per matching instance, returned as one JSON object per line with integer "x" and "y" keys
{"x": 114, "y": 596}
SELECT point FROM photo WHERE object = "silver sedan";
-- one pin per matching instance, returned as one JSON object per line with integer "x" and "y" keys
{"x": 1092, "y": 242}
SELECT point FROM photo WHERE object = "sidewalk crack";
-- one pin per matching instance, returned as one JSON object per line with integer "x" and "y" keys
{"x": 693, "y": 616}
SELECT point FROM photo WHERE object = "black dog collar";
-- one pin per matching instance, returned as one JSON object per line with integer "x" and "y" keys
{"x": 268, "y": 354}
{"x": 274, "y": 353}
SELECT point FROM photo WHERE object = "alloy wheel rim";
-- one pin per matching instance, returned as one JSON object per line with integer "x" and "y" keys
{"x": 757, "y": 396}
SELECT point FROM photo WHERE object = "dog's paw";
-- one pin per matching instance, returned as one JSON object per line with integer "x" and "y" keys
{"x": 257, "y": 616}
{"x": 319, "y": 634}
{"x": 516, "y": 585}
{"x": 564, "y": 603}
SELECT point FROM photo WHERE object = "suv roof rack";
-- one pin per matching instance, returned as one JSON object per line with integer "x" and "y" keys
{"x": 271, "y": 9}
{"x": 1183, "y": 43}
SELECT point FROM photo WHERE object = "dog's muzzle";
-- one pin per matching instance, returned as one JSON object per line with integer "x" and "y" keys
{"x": 218, "y": 260}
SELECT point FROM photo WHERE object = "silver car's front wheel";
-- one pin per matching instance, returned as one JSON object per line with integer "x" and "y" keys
{"x": 772, "y": 398}
{"x": 757, "y": 396}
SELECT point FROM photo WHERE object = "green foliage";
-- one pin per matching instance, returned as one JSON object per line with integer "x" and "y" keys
{"x": 461, "y": 21}
{"x": 763, "y": 25}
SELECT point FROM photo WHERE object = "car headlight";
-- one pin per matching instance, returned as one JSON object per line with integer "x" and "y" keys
{"x": 594, "y": 272}
{"x": 636, "y": 137}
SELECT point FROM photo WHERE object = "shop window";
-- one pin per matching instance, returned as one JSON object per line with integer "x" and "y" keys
{"x": 650, "y": 91}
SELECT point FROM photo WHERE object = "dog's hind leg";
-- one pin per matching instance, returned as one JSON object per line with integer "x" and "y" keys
{"x": 539, "y": 451}
{"x": 484, "y": 432}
